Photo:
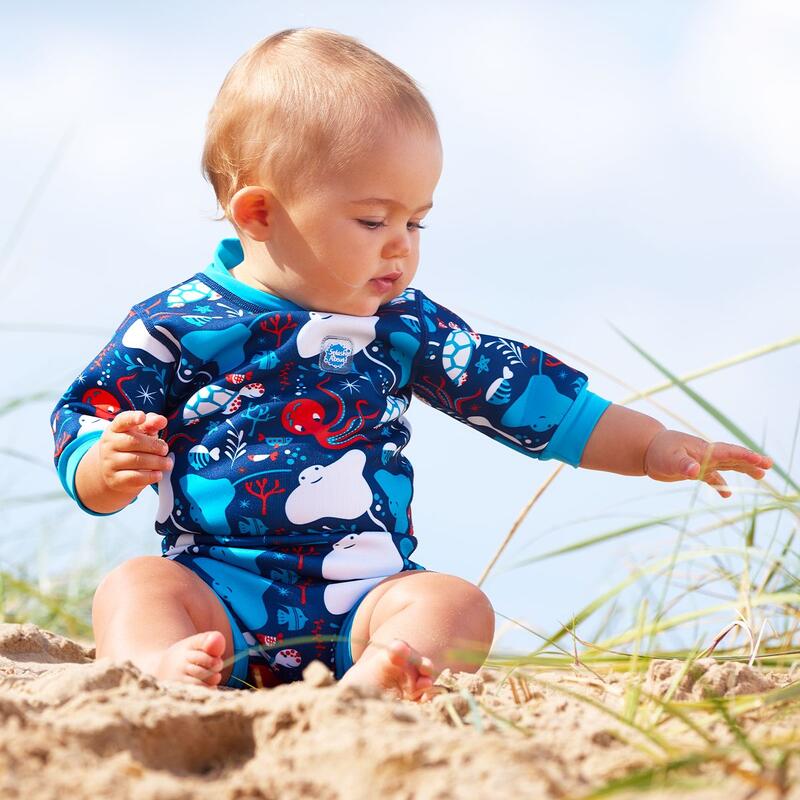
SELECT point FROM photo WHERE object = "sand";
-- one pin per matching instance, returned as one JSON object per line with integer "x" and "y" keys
{"x": 72, "y": 727}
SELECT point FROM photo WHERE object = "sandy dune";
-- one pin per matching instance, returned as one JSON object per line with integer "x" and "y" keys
{"x": 71, "y": 727}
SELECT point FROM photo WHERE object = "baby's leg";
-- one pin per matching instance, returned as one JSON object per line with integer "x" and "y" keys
{"x": 161, "y": 616}
{"x": 413, "y": 625}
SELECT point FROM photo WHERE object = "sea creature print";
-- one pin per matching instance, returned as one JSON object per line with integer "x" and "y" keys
{"x": 457, "y": 353}
{"x": 273, "y": 456}
{"x": 483, "y": 422}
{"x": 89, "y": 424}
{"x": 288, "y": 657}
{"x": 396, "y": 406}
{"x": 191, "y": 292}
{"x": 200, "y": 456}
{"x": 362, "y": 555}
{"x": 338, "y": 490}
{"x": 540, "y": 406}
{"x": 499, "y": 391}
{"x": 292, "y": 617}
{"x": 139, "y": 338}
{"x": 267, "y": 360}
{"x": 238, "y": 378}
{"x": 306, "y": 417}
{"x": 211, "y": 399}
{"x": 103, "y": 403}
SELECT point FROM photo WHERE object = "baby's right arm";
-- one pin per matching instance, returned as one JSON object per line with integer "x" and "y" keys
{"x": 126, "y": 458}
{"x": 106, "y": 425}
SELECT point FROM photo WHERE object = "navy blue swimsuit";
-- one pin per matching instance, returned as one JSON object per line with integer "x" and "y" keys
{"x": 290, "y": 494}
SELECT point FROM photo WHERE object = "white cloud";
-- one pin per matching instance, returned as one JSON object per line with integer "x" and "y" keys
{"x": 740, "y": 74}
{"x": 566, "y": 98}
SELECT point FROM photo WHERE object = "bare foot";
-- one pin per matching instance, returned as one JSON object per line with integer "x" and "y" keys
{"x": 398, "y": 669}
{"x": 196, "y": 659}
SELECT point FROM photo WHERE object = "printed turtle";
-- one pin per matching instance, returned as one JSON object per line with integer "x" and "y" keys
{"x": 211, "y": 399}
{"x": 190, "y": 292}
{"x": 457, "y": 353}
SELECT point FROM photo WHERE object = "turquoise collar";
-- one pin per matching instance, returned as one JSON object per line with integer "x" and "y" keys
{"x": 228, "y": 254}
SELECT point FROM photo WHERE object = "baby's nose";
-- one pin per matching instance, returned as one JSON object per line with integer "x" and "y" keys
{"x": 399, "y": 246}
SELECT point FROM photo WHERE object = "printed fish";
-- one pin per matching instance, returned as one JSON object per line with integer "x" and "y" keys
{"x": 499, "y": 392}
{"x": 267, "y": 360}
{"x": 252, "y": 526}
{"x": 197, "y": 320}
{"x": 283, "y": 576}
{"x": 263, "y": 456}
{"x": 293, "y": 617}
{"x": 200, "y": 456}
{"x": 238, "y": 378}
{"x": 268, "y": 640}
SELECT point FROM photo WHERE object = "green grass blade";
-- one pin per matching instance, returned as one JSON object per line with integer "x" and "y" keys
{"x": 16, "y": 402}
{"x": 651, "y": 569}
{"x": 738, "y": 733}
{"x": 639, "y": 526}
{"x": 723, "y": 420}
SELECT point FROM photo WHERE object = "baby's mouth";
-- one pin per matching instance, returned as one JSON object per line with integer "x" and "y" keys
{"x": 385, "y": 282}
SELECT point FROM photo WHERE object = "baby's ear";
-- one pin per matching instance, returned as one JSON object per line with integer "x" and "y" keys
{"x": 251, "y": 211}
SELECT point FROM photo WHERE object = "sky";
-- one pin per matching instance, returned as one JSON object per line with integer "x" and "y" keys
{"x": 607, "y": 165}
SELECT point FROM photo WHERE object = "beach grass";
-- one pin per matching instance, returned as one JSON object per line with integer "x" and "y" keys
{"x": 740, "y": 563}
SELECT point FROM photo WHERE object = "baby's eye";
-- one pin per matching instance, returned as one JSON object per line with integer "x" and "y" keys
{"x": 372, "y": 225}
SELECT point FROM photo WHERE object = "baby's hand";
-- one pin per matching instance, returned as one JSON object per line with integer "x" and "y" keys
{"x": 676, "y": 456}
{"x": 131, "y": 454}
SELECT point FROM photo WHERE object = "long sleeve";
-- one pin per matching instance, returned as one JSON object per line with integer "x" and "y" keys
{"x": 133, "y": 371}
{"x": 518, "y": 395}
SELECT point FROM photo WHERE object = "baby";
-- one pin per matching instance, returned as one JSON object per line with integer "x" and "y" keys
{"x": 264, "y": 398}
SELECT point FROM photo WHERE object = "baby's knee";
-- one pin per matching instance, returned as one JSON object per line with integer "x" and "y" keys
{"x": 465, "y": 599}
{"x": 126, "y": 579}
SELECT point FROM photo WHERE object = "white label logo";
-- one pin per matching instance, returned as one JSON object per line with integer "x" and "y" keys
{"x": 336, "y": 354}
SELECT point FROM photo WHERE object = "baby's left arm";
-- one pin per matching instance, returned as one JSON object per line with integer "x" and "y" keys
{"x": 629, "y": 443}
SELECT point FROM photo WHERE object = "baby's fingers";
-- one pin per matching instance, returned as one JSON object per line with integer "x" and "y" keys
{"x": 126, "y": 420}
{"x": 721, "y": 455}
{"x": 133, "y": 480}
{"x": 718, "y": 482}
{"x": 141, "y": 462}
{"x": 153, "y": 423}
{"x": 754, "y": 472}
{"x": 132, "y": 441}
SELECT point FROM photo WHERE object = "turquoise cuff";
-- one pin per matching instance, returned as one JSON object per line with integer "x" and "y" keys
{"x": 573, "y": 432}
{"x": 68, "y": 465}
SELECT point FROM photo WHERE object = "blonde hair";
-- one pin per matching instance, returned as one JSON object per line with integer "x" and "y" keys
{"x": 302, "y": 104}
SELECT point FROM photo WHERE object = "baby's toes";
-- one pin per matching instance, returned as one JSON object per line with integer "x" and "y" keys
{"x": 400, "y": 653}
{"x": 213, "y": 644}
{"x": 209, "y": 677}
{"x": 425, "y": 666}
{"x": 205, "y": 660}
{"x": 423, "y": 688}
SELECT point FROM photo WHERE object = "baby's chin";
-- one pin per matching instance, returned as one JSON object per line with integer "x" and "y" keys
{"x": 354, "y": 307}
{"x": 349, "y": 311}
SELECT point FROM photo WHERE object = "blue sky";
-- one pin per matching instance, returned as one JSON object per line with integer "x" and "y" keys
{"x": 608, "y": 162}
